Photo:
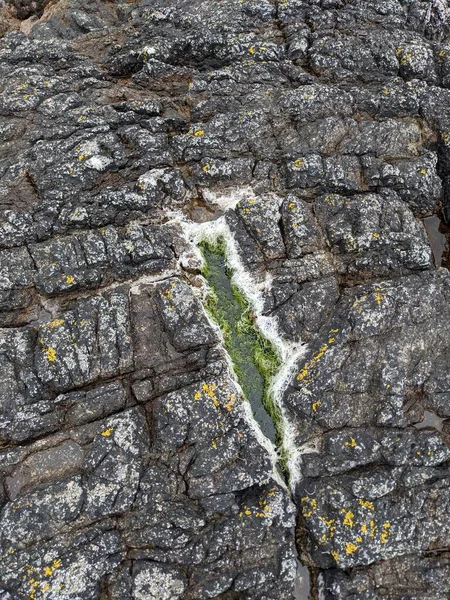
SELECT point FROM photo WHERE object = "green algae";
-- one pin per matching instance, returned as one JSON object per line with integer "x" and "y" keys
{"x": 254, "y": 357}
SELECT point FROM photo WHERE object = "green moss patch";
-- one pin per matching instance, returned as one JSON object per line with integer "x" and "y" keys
{"x": 254, "y": 357}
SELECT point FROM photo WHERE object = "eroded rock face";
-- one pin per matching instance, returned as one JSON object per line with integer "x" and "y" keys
{"x": 317, "y": 130}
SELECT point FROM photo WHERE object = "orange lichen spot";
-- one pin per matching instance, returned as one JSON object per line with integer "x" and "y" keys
{"x": 313, "y": 362}
{"x": 351, "y": 443}
{"x": 51, "y": 354}
{"x": 299, "y": 163}
{"x": 107, "y": 433}
{"x": 350, "y": 548}
{"x": 366, "y": 504}
{"x": 209, "y": 389}
{"x": 230, "y": 404}
{"x": 348, "y": 519}
{"x": 315, "y": 405}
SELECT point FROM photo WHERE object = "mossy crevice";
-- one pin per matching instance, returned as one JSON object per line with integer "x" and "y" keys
{"x": 254, "y": 357}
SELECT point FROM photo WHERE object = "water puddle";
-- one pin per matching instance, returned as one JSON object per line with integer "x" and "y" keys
{"x": 436, "y": 238}
{"x": 430, "y": 420}
{"x": 253, "y": 358}
{"x": 302, "y": 583}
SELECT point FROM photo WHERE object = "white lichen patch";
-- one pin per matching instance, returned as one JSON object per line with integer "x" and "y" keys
{"x": 158, "y": 583}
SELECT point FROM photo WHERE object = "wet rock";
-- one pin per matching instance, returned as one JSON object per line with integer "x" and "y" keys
{"x": 129, "y": 464}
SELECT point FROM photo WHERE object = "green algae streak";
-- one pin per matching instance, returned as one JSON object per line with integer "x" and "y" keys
{"x": 254, "y": 358}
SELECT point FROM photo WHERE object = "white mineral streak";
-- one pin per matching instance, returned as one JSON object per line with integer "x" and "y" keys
{"x": 289, "y": 353}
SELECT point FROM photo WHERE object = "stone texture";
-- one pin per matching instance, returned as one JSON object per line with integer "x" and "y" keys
{"x": 318, "y": 131}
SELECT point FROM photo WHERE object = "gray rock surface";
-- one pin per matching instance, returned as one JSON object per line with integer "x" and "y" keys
{"x": 129, "y": 468}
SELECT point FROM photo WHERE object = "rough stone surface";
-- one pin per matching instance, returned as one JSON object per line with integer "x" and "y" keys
{"x": 319, "y": 131}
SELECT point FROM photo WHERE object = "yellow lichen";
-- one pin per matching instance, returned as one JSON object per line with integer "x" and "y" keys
{"x": 55, "y": 323}
{"x": 107, "y": 432}
{"x": 310, "y": 505}
{"x": 366, "y": 504}
{"x": 51, "y": 354}
{"x": 302, "y": 376}
{"x": 351, "y": 443}
{"x": 199, "y": 133}
{"x": 350, "y": 548}
{"x": 335, "y": 555}
{"x": 229, "y": 405}
{"x": 70, "y": 279}
{"x": 299, "y": 163}
{"x": 385, "y": 534}
{"x": 315, "y": 405}
{"x": 348, "y": 519}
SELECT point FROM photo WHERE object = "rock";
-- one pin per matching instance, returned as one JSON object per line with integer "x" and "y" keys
{"x": 314, "y": 136}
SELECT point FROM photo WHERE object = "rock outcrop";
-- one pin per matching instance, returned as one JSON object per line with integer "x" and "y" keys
{"x": 318, "y": 133}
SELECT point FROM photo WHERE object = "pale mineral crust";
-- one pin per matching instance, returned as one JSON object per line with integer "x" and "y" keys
{"x": 129, "y": 469}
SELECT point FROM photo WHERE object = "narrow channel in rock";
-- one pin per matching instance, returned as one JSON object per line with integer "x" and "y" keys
{"x": 254, "y": 359}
